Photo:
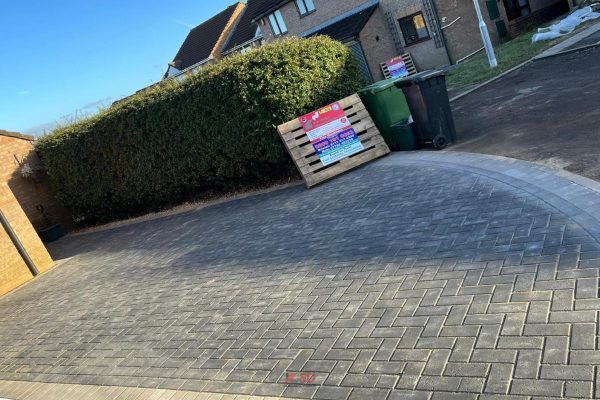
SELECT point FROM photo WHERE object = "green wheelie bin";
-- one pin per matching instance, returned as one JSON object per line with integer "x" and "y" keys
{"x": 388, "y": 107}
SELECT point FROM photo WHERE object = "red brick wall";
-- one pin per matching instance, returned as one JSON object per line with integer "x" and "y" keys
{"x": 30, "y": 193}
{"x": 13, "y": 270}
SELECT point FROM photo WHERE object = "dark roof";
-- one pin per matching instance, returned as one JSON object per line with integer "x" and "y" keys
{"x": 348, "y": 27}
{"x": 201, "y": 40}
{"x": 245, "y": 30}
{"x": 266, "y": 7}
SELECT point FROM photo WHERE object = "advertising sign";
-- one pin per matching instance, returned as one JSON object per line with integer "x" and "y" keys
{"x": 397, "y": 67}
{"x": 331, "y": 134}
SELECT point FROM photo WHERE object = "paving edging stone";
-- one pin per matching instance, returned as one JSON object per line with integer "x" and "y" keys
{"x": 576, "y": 196}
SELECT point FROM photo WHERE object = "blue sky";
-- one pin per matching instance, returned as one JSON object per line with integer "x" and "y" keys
{"x": 64, "y": 57}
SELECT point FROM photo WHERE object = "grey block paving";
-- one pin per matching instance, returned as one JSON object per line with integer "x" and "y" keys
{"x": 414, "y": 277}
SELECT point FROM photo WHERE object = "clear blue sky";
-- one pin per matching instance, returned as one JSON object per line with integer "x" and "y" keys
{"x": 62, "y": 57}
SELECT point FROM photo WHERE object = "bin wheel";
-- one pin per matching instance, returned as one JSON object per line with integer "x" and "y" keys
{"x": 440, "y": 142}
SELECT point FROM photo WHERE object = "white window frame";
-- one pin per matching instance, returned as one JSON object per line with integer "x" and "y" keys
{"x": 305, "y": 7}
{"x": 277, "y": 23}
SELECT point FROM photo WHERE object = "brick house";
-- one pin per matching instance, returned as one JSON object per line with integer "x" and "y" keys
{"x": 435, "y": 32}
{"x": 19, "y": 197}
{"x": 203, "y": 44}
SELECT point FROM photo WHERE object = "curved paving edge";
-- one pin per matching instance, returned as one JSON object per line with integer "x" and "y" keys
{"x": 574, "y": 195}
{"x": 20, "y": 390}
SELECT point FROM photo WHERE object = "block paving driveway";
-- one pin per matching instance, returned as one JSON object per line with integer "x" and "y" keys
{"x": 406, "y": 279}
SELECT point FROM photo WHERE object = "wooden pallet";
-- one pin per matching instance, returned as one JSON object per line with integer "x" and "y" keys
{"x": 408, "y": 61}
{"x": 306, "y": 159}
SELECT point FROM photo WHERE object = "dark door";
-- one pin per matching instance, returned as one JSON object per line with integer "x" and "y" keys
{"x": 517, "y": 8}
{"x": 362, "y": 60}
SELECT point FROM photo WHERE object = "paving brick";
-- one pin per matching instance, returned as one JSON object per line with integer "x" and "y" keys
{"x": 387, "y": 381}
{"x": 446, "y": 384}
{"x": 520, "y": 342}
{"x": 463, "y": 349}
{"x": 494, "y": 356}
{"x": 466, "y": 370}
{"x": 579, "y": 389}
{"x": 360, "y": 380}
{"x": 410, "y": 395}
{"x": 437, "y": 362}
{"x": 455, "y": 284}
{"x": 573, "y": 316}
{"x": 537, "y": 387}
{"x": 583, "y": 336}
{"x": 528, "y": 364}
{"x": 583, "y": 357}
{"x": 568, "y": 372}
{"x": 586, "y": 288}
{"x": 488, "y": 336}
{"x": 556, "y": 350}
{"x": 375, "y": 394}
{"x": 499, "y": 379}
{"x": 332, "y": 393}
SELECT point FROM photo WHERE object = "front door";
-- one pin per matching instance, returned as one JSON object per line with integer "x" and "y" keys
{"x": 517, "y": 8}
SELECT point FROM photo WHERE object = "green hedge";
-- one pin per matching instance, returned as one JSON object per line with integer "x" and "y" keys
{"x": 213, "y": 131}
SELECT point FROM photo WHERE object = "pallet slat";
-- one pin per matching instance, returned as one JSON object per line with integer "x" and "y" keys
{"x": 408, "y": 61}
{"x": 295, "y": 123}
{"x": 306, "y": 158}
{"x": 317, "y": 166}
{"x": 356, "y": 114}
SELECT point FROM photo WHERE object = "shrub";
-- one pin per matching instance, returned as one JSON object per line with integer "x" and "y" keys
{"x": 215, "y": 130}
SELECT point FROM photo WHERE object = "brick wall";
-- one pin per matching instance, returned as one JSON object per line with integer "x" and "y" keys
{"x": 464, "y": 37}
{"x": 425, "y": 54}
{"x": 378, "y": 43}
{"x": 13, "y": 270}
{"x": 29, "y": 192}
{"x": 544, "y": 11}
{"x": 325, "y": 10}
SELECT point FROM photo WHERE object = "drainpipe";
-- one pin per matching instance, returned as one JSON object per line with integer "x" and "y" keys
{"x": 437, "y": 20}
{"x": 17, "y": 243}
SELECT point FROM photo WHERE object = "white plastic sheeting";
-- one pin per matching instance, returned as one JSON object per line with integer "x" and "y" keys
{"x": 567, "y": 25}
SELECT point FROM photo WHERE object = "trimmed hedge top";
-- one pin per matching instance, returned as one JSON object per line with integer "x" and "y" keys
{"x": 215, "y": 130}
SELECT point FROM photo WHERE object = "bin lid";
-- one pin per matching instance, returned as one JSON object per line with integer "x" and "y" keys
{"x": 420, "y": 77}
{"x": 380, "y": 86}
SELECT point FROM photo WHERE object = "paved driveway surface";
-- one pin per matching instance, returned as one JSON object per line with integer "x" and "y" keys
{"x": 401, "y": 280}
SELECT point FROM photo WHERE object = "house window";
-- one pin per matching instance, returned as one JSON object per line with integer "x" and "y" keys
{"x": 517, "y": 8}
{"x": 414, "y": 29}
{"x": 305, "y": 7}
{"x": 277, "y": 23}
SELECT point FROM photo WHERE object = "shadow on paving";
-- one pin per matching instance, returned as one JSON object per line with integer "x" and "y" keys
{"x": 545, "y": 112}
{"x": 388, "y": 282}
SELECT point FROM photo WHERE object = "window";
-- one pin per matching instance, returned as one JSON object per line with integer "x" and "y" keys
{"x": 277, "y": 23}
{"x": 305, "y": 7}
{"x": 517, "y": 8}
{"x": 414, "y": 29}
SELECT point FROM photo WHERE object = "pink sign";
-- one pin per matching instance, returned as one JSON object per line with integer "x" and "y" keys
{"x": 397, "y": 67}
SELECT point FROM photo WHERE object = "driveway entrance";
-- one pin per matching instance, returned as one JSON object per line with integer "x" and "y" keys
{"x": 424, "y": 275}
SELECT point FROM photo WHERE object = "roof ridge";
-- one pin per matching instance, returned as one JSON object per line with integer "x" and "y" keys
{"x": 216, "y": 15}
